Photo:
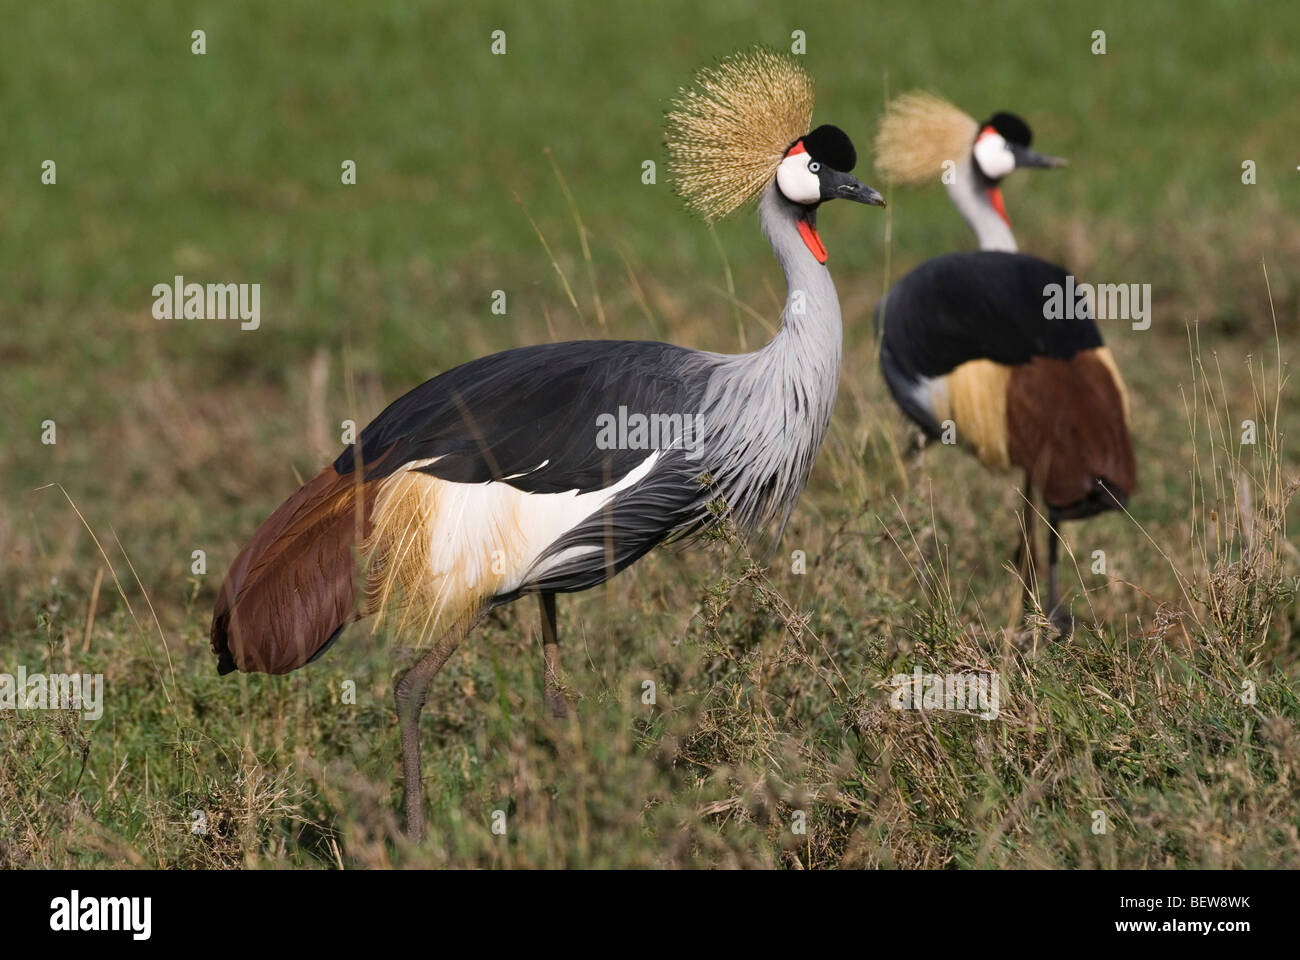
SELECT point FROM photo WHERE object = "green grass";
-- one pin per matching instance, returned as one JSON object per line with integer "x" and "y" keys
{"x": 182, "y": 435}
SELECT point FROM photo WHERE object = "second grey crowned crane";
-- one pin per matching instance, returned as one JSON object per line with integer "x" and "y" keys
{"x": 965, "y": 338}
{"x": 505, "y": 476}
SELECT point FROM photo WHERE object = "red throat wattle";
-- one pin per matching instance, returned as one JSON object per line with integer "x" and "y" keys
{"x": 995, "y": 197}
{"x": 811, "y": 240}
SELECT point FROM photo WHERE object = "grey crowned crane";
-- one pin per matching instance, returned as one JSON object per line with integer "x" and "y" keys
{"x": 965, "y": 337}
{"x": 501, "y": 477}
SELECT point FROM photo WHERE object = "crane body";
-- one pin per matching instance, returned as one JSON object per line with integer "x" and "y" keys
{"x": 495, "y": 479}
{"x": 967, "y": 337}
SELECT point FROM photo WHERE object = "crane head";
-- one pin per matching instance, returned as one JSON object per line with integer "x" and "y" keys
{"x": 745, "y": 121}
{"x": 922, "y": 138}
{"x": 742, "y": 124}
{"x": 815, "y": 169}
{"x": 1002, "y": 145}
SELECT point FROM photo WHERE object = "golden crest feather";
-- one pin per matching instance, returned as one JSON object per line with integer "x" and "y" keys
{"x": 727, "y": 133}
{"x": 918, "y": 132}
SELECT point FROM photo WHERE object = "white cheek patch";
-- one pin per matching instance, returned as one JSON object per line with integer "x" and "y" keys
{"x": 993, "y": 157}
{"x": 797, "y": 182}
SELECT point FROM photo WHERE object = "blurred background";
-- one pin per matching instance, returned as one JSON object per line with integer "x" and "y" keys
{"x": 182, "y": 435}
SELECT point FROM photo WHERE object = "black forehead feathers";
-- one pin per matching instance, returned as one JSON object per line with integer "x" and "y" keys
{"x": 831, "y": 145}
{"x": 1011, "y": 128}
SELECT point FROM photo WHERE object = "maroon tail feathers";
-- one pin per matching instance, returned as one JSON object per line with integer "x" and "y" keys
{"x": 1066, "y": 427}
{"x": 294, "y": 585}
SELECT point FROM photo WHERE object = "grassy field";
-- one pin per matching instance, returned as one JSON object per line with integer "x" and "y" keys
{"x": 771, "y": 685}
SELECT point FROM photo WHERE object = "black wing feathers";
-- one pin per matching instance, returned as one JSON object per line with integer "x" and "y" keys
{"x": 977, "y": 305}
{"x": 528, "y": 416}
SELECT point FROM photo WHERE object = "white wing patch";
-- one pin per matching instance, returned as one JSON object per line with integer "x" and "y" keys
{"x": 524, "y": 473}
{"x": 931, "y": 394}
{"x": 543, "y": 518}
{"x": 442, "y": 549}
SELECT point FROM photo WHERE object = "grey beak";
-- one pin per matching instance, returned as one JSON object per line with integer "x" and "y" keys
{"x": 1031, "y": 158}
{"x": 845, "y": 186}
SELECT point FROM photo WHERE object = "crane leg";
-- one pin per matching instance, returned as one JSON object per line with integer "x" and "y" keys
{"x": 410, "y": 693}
{"x": 555, "y": 701}
{"x": 1026, "y": 562}
{"x": 1061, "y": 618}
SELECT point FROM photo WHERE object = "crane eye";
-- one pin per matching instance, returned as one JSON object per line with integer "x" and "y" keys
{"x": 814, "y": 167}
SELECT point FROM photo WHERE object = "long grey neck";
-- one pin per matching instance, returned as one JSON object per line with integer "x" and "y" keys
{"x": 810, "y": 322}
{"x": 768, "y": 411}
{"x": 970, "y": 195}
